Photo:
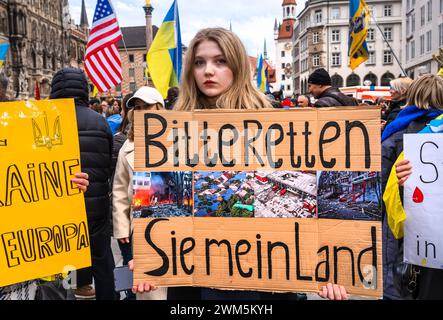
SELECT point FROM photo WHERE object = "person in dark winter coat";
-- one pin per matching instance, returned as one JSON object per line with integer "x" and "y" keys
{"x": 425, "y": 102}
{"x": 95, "y": 141}
{"x": 319, "y": 85}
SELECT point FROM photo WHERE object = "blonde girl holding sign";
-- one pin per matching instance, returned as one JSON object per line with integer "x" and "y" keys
{"x": 217, "y": 75}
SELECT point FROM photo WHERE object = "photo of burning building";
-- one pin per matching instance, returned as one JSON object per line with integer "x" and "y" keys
{"x": 162, "y": 194}
{"x": 223, "y": 194}
{"x": 349, "y": 195}
{"x": 285, "y": 194}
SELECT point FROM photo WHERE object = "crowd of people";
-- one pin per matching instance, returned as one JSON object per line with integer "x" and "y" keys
{"x": 216, "y": 75}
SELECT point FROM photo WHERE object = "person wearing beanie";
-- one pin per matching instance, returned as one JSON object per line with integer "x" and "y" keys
{"x": 319, "y": 85}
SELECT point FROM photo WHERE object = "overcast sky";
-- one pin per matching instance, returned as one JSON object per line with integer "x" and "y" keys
{"x": 252, "y": 20}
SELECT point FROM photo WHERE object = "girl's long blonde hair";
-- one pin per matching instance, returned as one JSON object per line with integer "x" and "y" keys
{"x": 241, "y": 95}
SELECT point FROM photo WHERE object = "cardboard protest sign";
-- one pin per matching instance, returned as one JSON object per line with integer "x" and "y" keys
{"x": 279, "y": 255}
{"x": 300, "y": 139}
{"x": 423, "y": 237}
{"x": 43, "y": 229}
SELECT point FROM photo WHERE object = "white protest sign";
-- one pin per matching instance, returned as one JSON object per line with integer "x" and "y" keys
{"x": 423, "y": 200}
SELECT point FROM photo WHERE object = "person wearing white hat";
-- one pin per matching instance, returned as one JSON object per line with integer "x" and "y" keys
{"x": 145, "y": 98}
{"x": 146, "y": 95}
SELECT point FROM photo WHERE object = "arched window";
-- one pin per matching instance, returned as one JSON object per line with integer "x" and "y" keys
{"x": 34, "y": 30}
{"x": 54, "y": 63}
{"x": 370, "y": 77}
{"x": 386, "y": 78}
{"x": 34, "y": 59}
{"x": 337, "y": 81}
{"x": 287, "y": 11}
{"x": 353, "y": 80}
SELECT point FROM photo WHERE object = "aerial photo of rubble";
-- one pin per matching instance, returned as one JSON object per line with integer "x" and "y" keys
{"x": 223, "y": 194}
{"x": 285, "y": 194}
{"x": 349, "y": 195}
{"x": 162, "y": 194}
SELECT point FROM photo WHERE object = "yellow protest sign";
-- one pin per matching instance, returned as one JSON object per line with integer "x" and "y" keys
{"x": 43, "y": 228}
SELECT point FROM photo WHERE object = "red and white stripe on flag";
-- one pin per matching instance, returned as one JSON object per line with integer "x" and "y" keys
{"x": 102, "y": 59}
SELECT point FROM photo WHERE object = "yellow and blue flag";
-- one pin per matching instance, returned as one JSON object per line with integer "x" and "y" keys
{"x": 358, "y": 31}
{"x": 164, "y": 58}
{"x": 3, "y": 52}
{"x": 262, "y": 77}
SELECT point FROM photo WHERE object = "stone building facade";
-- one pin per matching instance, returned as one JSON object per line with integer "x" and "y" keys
{"x": 322, "y": 42}
{"x": 43, "y": 39}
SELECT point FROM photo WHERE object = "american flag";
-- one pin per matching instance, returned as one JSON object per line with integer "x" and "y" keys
{"x": 102, "y": 59}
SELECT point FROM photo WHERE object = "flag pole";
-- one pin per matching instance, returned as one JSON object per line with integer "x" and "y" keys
{"x": 389, "y": 45}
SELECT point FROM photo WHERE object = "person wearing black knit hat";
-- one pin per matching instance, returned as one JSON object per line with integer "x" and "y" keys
{"x": 319, "y": 85}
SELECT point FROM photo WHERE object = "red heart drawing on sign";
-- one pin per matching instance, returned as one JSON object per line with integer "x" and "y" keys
{"x": 417, "y": 197}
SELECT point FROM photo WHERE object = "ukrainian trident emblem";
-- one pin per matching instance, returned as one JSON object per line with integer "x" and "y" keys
{"x": 42, "y": 135}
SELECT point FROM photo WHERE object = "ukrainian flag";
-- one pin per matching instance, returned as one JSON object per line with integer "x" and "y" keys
{"x": 3, "y": 52}
{"x": 358, "y": 31}
{"x": 262, "y": 79}
{"x": 164, "y": 58}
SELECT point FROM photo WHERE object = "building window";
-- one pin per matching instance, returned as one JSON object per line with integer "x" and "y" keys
{"x": 304, "y": 44}
{"x": 441, "y": 6}
{"x": 118, "y": 88}
{"x": 428, "y": 41}
{"x": 371, "y": 58}
{"x": 282, "y": 65}
{"x": 412, "y": 23}
{"x": 288, "y": 28}
{"x": 407, "y": 51}
{"x": 388, "y": 33}
{"x": 335, "y": 36}
{"x": 429, "y": 7}
{"x": 337, "y": 81}
{"x": 387, "y": 57}
{"x": 318, "y": 16}
{"x": 408, "y": 5}
{"x": 283, "y": 77}
{"x": 288, "y": 87}
{"x": 335, "y": 13}
{"x": 422, "y": 44}
{"x": 132, "y": 86}
{"x": 316, "y": 60}
{"x": 371, "y": 35}
{"x": 440, "y": 34}
{"x": 336, "y": 59}
{"x": 131, "y": 58}
{"x": 408, "y": 24}
{"x": 412, "y": 49}
{"x": 388, "y": 10}
{"x": 315, "y": 38}
{"x": 422, "y": 16}
{"x": 282, "y": 54}
{"x": 131, "y": 72}
{"x": 304, "y": 65}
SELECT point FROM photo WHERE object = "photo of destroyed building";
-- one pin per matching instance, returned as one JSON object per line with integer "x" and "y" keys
{"x": 162, "y": 194}
{"x": 285, "y": 194}
{"x": 349, "y": 195}
{"x": 223, "y": 194}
